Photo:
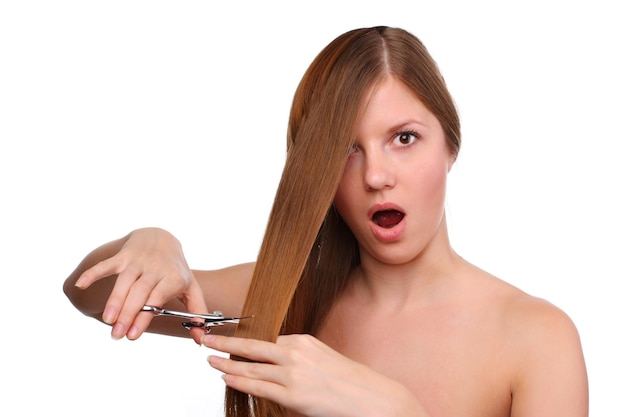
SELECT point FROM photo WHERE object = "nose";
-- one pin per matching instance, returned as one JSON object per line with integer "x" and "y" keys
{"x": 379, "y": 172}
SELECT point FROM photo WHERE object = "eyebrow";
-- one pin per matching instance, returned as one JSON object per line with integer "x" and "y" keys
{"x": 404, "y": 125}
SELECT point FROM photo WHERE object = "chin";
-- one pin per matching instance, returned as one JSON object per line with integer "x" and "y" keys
{"x": 394, "y": 256}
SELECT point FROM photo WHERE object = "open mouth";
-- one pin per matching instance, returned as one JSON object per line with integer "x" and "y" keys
{"x": 387, "y": 218}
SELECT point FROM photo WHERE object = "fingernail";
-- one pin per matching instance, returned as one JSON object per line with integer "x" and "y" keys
{"x": 133, "y": 332}
{"x": 117, "y": 332}
{"x": 108, "y": 315}
{"x": 214, "y": 360}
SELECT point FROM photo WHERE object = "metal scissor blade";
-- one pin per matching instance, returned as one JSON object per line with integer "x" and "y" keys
{"x": 212, "y": 323}
{"x": 214, "y": 319}
{"x": 216, "y": 315}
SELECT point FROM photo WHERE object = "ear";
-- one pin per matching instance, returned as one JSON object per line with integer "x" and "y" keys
{"x": 451, "y": 161}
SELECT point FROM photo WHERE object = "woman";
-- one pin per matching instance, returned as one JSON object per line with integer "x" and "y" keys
{"x": 377, "y": 313}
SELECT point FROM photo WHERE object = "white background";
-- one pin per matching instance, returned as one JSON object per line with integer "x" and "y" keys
{"x": 121, "y": 114}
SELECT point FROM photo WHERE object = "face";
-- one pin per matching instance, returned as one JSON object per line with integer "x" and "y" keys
{"x": 392, "y": 191}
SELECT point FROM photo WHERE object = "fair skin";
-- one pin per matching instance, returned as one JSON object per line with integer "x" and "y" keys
{"x": 418, "y": 332}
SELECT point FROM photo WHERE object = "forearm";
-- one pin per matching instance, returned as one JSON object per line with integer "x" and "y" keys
{"x": 225, "y": 289}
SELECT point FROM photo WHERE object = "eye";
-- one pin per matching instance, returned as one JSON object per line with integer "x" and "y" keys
{"x": 353, "y": 149}
{"x": 405, "y": 138}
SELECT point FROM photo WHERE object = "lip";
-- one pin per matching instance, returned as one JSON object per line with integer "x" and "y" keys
{"x": 382, "y": 233}
{"x": 384, "y": 207}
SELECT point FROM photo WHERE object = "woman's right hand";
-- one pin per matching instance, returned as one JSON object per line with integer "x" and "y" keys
{"x": 151, "y": 270}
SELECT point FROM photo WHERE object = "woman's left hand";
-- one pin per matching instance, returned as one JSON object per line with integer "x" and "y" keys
{"x": 306, "y": 376}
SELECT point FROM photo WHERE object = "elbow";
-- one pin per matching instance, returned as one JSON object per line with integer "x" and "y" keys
{"x": 88, "y": 301}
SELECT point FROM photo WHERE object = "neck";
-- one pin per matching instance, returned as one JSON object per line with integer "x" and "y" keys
{"x": 419, "y": 281}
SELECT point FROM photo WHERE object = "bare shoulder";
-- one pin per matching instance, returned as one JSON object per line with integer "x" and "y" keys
{"x": 545, "y": 358}
{"x": 535, "y": 325}
{"x": 538, "y": 318}
{"x": 526, "y": 314}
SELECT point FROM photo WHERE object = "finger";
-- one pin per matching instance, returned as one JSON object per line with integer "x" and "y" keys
{"x": 254, "y": 350}
{"x": 100, "y": 270}
{"x": 258, "y": 379}
{"x": 253, "y": 370}
{"x": 143, "y": 294}
{"x": 130, "y": 322}
{"x": 117, "y": 297}
{"x": 259, "y": 388}
{"x": 194, "y": 301}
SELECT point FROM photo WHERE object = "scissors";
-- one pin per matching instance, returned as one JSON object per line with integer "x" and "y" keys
{"x": 210, "y": 320}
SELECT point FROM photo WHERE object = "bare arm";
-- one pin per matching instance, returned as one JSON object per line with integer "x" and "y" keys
{"x": 147, "y": 266}
{"x": 551, "y": 378}
{"x": 91, "y": 300}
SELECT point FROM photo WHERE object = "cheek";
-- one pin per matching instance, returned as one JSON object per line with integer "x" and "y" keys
{"x": 433, "y": 189}
{"x": 342, "y": 196}
{"x": 347, "y": 193}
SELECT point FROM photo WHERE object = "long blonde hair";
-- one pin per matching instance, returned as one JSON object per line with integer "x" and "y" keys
{"x": 308, "y": 251}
